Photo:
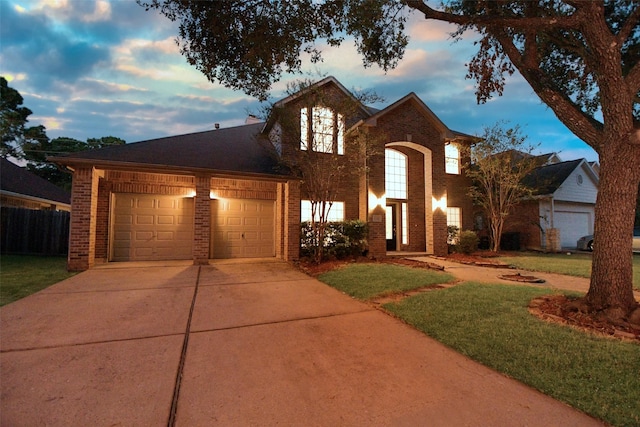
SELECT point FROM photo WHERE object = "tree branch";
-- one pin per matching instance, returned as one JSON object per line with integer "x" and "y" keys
{"x": 628, "y": 26}
{"x": 545, "y": 22}
{"x": 581, "y": 124}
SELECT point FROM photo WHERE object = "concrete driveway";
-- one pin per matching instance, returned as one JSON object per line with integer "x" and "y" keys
{"x": 238, "y": 344}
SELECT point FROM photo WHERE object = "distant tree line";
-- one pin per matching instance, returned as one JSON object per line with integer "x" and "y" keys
{"x": 31, "y": 143}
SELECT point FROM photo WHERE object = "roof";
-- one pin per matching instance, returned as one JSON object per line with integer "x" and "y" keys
{"x": 19, "y": 181}
{"x": 546, "y": 180}
{"x": 238, "y": 149}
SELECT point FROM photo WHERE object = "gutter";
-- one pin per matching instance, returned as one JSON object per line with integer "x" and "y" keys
{"x": 155, "y": 168}
{"x": 34, "y": 198}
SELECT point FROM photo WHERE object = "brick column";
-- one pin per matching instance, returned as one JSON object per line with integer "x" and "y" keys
{"x": 292, "y": 221}
{"x": 202, "y": 220}
{"x": 84, "y": 206}
{"x": 376, "y": 214}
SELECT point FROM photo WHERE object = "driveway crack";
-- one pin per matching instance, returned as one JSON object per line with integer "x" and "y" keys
{"x": 183, "y": 355}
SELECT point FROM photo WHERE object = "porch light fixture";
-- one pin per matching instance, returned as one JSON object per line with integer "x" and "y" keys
{"x": 439, "y": 203}
{"x": 375, "y": 201}
{"x": 213, "y": 195}
{"x": 191, "y": 193}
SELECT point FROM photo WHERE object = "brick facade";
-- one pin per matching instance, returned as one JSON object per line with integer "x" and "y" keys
{"x": 84, "y": 207}
{"x": 407, "y": 126}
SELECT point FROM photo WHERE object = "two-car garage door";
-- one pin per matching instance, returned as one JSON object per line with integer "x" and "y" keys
{"x": 148, "y": 227}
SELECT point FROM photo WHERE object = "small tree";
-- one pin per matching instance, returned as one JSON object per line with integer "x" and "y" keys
{"x": 315, "y": 143}
{"x": 499, "y": 162}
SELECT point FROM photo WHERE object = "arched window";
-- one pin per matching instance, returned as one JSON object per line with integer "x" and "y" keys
{"x": 395, "y": 174}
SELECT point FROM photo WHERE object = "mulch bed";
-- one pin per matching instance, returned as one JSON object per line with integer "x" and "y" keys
{"x": 560, "y": 309}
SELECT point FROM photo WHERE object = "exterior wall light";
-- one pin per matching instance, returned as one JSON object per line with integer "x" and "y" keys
{"x": 439, "y": 203}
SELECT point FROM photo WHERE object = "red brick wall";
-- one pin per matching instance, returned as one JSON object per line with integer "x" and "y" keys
{"x": 82, "y": 234}
{"x": 409, "y": 123}
{"x": 525, "y": 220}
{"x": 291, "y": 241}
{"x": 202, "y": 220}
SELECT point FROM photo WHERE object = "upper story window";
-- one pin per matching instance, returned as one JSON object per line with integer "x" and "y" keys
{"x": 452, "y": 159}
{"x": 395, "y": 174}
{"x": 324, "y": 133}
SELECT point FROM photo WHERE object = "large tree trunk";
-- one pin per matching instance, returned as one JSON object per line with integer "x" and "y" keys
{"x": 611, "y": 285}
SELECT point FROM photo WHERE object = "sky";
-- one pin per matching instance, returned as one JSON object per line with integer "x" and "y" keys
{"x": 93, "y": 68}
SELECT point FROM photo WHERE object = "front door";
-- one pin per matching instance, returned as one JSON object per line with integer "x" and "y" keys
{"x": 391, "y": 219}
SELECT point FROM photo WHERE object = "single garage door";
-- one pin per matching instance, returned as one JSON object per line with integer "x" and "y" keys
{"x": 150, "y": 227}
{"x": 243, "y": 228}
{"x": 572, "y": 225}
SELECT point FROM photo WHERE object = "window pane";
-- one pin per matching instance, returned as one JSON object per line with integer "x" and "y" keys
{"x": 340, "y": 134}
{"x": 405, "y": 225}
{"x": 395, "y": 174}
{"x": 304, "y": 129}
{"x": 336, "y": 213}
{"x": 452, "y": 159}
{"x": 453, "y": 217}
{"x": 322, "y": 129}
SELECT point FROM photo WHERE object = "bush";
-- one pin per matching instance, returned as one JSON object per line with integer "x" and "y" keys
{"x": 467, "y": 242}
{"x": 341, "y": 239}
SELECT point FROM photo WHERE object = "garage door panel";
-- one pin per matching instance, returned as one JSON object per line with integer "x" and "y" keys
{"x": 572, "y": 225}
{"x": 152, "y": 227}
{"x": 243, "y": 228}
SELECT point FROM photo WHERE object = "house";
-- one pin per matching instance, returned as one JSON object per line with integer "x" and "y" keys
{"x": 562, "y": 208}
{"x": 223, "y": 193}
{"x": 23, "y": 189}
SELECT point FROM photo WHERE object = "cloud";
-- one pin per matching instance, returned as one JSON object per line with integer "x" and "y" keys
{"x": 32, "y": 45}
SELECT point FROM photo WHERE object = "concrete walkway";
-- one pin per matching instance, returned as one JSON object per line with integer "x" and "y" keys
{"x": 238, "y": 344}
{"x": 468, "y": 272}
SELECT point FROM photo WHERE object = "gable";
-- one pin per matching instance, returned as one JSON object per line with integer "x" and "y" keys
{"x": 581, "y": 186}
{"x": 414, "y": 103}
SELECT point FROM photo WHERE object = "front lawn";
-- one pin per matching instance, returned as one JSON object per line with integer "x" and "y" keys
{"x": 491, "y": 324}
{"x": 381, "y": 279}
{"x": 576, "y": 264}
{"x": 22, "y": 275}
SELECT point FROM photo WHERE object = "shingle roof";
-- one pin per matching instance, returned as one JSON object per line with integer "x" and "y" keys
{"x": 547, "y": 179}
{"x": 18, "y": 180}
{"x": 239, "y": 149}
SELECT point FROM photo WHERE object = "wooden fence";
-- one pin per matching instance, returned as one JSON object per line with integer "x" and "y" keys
{"x": 27, "y": 231}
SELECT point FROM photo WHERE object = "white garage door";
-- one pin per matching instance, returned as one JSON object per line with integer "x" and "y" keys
{"x": 152, "y": 227}
{"x": 243, "y": 228}
{"x": 572, "y": 225}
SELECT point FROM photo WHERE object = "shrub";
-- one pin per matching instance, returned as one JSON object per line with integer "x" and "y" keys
{"x": 341, "y": 239}
{"x": 467, "y": 242}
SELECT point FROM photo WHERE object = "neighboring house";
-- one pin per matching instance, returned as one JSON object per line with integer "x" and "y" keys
{"x": 222, "y": 194}
{"x": 23, "y": 189}
{"x": 562, "y": 208}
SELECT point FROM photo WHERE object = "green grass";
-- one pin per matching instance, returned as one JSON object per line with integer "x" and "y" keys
{"x": 21, "y": 276}
{"x": 491, "y": 324}
{"x": 573, "y": 265}
{"x": 366, "y": 281}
